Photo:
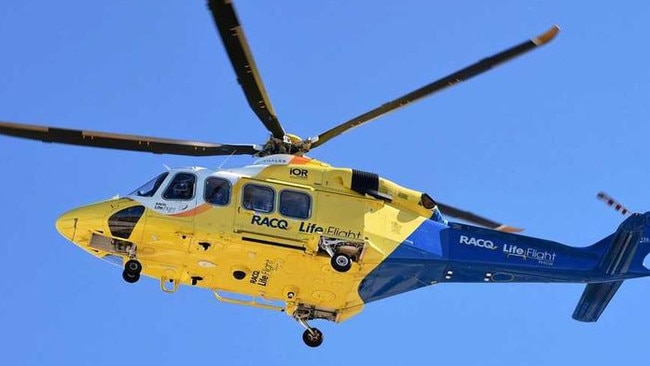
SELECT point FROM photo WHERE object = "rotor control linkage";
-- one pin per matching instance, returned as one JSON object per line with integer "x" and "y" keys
{"x": 132, "y": 269}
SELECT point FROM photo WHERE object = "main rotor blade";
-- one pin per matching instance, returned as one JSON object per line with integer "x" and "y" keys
{"x": 123, "y": 142}
{"x": 242, "y": 61}
{"x": 440, "y": 84}
{"x": 475, "y": 219}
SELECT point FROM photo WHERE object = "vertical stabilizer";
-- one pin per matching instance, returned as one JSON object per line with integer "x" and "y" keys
{"x": 622, "y": 253}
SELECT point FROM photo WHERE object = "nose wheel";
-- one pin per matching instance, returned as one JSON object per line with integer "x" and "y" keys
{"x": 132, "y": 269}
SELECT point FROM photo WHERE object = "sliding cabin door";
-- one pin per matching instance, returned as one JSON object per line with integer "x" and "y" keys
{"x": 275, "y": 214}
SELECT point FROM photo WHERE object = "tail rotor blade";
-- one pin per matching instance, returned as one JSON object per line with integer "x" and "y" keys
{"x": 613, "y": 203}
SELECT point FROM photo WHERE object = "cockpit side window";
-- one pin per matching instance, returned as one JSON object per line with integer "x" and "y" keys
{"x": 181, "y": 187}
{"x": 295, "y": 204}
{"x": 150, "y": 188}
{"x": 258, "y": 198}
{"x": 217, "y": 191}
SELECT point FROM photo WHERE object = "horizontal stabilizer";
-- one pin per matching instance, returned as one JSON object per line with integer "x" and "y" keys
{"x": 594, "y": 300}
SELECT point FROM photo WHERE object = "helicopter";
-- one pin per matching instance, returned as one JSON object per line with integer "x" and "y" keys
{"x": 297, "y": 235}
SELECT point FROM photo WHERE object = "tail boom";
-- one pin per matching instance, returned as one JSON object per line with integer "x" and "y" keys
{"x": 436, "y": 253}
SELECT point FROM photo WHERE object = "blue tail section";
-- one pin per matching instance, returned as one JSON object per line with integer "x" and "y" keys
{"x": 457, "y": 253}
{"x": 624, "y": 251}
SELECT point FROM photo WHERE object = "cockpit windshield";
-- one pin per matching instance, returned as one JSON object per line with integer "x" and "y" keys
{"x": 149, "y": 189}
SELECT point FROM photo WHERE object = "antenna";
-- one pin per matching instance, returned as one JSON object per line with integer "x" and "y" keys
{"x": 167, "y": 167}
{"x": 226, "y": 159}
{"x": 611, "y": 202}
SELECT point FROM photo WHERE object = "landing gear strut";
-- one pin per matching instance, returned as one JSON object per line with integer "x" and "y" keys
{"x": 132, "y": 269}
{"x": 312, "y": 337}
{"x": 342, "y": 252}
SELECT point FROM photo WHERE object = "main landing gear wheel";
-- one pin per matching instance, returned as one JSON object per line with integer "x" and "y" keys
{"x": 312, "y": 337}
{"x": 132, "y": 269}
{"x": 341, "y": 262}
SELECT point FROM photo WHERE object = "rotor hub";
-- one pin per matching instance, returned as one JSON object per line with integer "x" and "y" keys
{"x": 290, "y": 144}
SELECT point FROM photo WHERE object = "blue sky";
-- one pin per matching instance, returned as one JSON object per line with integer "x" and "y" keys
{"x": 529, "y": 143}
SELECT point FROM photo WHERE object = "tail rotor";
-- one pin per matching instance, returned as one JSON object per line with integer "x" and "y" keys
{"x": 613, "y": 203}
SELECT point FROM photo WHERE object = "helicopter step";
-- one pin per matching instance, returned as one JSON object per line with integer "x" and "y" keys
{"x": 342, "y": 252}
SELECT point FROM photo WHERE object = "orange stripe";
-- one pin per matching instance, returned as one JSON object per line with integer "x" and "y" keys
{"x": 300, "y": 160}
{"x": 193, "y": 212}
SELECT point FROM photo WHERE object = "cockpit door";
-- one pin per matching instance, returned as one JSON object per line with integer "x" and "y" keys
{"x": 171, "y": 222}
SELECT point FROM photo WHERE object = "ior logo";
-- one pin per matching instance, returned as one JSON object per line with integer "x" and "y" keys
{"x": 481, "y": 243}
{"x": 298, "y": 173}
{"x": 268, "y": 222}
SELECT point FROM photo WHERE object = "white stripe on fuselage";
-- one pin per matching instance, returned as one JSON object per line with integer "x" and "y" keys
{"x": 169, "y": 207}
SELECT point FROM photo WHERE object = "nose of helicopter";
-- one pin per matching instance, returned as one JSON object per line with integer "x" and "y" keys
{"x": 116, "y": 217}
{"x": 76, "y": 225}
{"x": 66, "y": 224}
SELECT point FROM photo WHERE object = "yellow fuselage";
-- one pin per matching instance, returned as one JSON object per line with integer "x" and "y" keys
{"x": 273, "y": 259}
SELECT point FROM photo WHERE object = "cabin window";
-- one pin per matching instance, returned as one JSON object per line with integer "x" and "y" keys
{"x": 258, "y": 198}
{"x": 295, "y": 204}
{"x": 181, "y": 187}
{"x": 217, "y": 191}
{"x": 149, "y": 189}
